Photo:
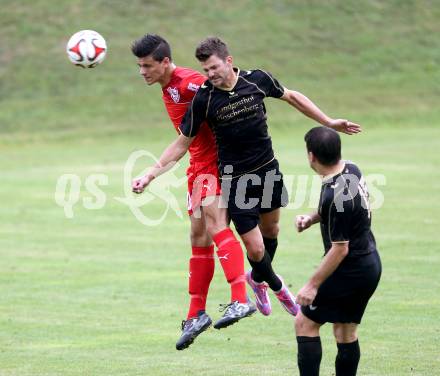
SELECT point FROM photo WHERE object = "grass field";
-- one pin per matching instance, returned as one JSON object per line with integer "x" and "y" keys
{"x": 101, "y": 294}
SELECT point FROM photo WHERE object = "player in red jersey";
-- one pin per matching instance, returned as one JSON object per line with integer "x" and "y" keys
{"x": 179, "y": 85}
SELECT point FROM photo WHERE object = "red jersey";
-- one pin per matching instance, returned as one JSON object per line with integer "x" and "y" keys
{"x": 177, "y": 96}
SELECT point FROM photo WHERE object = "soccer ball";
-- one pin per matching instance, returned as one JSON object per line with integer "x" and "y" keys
{"x": 86, "y": 48}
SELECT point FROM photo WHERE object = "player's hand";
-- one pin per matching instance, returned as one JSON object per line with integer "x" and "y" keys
{"x": 303, "y": 222}
{"x": 139, "y": 184}
{"x": 345, "y": 126}
{"x": 306, "y": 295}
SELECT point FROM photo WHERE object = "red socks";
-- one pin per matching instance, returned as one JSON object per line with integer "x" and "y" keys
{"x": 201, "y": 271}
{"x": 231, "y": 258}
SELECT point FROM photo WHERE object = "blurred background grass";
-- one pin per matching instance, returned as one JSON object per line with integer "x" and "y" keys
{"x": 100, "y": 294}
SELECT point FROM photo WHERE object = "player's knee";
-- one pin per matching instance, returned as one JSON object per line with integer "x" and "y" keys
{"x": 255, "y": 250}
{"x": 200, "y": 238}
{"x": 216, "y": 220}
{"x": 270, "y": 230}
{"x": 344, "y": 333}
{"x": 306, "y": 327}
{"x": 298, "y": 324}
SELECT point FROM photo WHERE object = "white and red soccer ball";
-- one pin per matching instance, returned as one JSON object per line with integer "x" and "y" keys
{"x": 86, "y": 48}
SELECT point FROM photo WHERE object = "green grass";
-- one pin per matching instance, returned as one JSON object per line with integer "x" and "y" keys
{"x": 100, "y": 294}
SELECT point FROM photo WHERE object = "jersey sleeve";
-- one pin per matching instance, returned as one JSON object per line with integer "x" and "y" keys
{"x": 197, "y": 79}
{"x": 339, "y": 222}
{"x": 194, "y": 117}
{"x": 270, "y": 85}
{"x": 191, "y": 84}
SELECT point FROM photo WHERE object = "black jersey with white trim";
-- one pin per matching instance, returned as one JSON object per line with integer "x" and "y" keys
{"x": 345, "y": 212}
{"x": 237, "y": 118}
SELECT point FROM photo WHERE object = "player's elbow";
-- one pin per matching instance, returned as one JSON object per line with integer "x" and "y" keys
{"x": 181, "y": 151}
{"x": 289, "y": 95}
{"x": 293, "y": 98}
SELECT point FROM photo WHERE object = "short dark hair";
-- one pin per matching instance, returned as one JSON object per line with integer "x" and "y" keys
{"x": 325, "y": 144}
{"x": 151, "y": 44}
{"x": 211, "y": 46}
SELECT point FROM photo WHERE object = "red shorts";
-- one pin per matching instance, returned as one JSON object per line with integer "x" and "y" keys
{"x": 203, "y": 181}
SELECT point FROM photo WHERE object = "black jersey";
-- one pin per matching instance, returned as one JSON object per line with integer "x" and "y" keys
{"x": 237, "y": 118}
{"x": 345, "y": 212}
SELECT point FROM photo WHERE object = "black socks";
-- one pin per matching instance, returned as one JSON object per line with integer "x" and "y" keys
{"x": 309, "y": 355}
{"x": 347, "y": 360}
{"x": 263, "y": 269}
{"x": 270, "y": 245}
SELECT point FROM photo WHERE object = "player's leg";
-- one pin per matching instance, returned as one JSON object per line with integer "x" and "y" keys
{"x": 206, "y": 197}
{"x": 363, "y": 280}
{"x": 256, "y": 280}
{"x": 275, "y": 196}
{"x": 269, "y": 227}
{"x": 201, "y": 271}
{"x": 246, "y": 219}
{"x": 230, "y": 255}
{"x": 229, "y": 251}
{"x": 259, "y": 258}
{"x": 261, "y": 264}
{"x": 309, "y": 345}
{"x": 347, "y": 359}
{"x": 358, "y": 287}
{"x": 201, "y": 266}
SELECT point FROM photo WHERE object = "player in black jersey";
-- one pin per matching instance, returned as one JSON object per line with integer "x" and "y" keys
{"x": 232, "y": 102}
{"x": 339, "y": 290}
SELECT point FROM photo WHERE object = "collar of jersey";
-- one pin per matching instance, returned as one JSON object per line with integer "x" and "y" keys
{"x": 330, "y": 178}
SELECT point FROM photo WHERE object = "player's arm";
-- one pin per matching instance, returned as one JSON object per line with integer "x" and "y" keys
{"x": 304, "y": 221}
{"x": 311, "y": 110}
{"x": 189, "y": 128}
{"x": 174, "y": 152}
{"x": 328, "y": 265}
{"x": 339, "y": 224}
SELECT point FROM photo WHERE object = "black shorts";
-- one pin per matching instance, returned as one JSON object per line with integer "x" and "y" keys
{"x": 343, "y": 296}
{"x": 254, "y": 193}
